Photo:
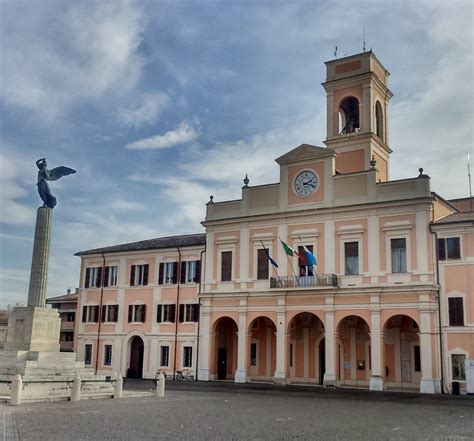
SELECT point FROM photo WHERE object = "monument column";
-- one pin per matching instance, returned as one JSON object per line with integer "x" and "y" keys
{"x": 39, "y": 262}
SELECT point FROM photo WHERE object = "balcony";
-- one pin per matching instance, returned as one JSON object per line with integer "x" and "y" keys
{"x": 66, "y": 346}
{"x": 316, "y": 281}
{"x": 67, "y": 326}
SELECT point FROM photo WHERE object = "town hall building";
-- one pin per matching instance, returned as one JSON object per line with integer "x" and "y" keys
{"x": 388, "y": 305}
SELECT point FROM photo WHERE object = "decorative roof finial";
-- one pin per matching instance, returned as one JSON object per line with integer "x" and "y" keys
{"x": 422, "y": 175}
{"x": 246, "y": 181}
{"x": 211, "y": 199}
{"x": 372, "y": 163}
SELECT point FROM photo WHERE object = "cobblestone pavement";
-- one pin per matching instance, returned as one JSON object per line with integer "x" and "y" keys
{"x": 217, "y": 411}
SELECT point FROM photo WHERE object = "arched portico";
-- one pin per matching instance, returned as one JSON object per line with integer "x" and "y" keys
{"x": 354, "y": 364}
{"x": 306, "y": 349}
{"x": 402, "y": 353}
{"x": 224, "y": 359}
{"x": 262, "y": 349}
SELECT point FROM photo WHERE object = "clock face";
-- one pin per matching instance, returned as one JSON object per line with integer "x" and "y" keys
{"x": 306, "y": 183}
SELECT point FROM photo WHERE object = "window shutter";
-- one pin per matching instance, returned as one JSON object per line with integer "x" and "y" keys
{"x": 160, "y": 273}
{"x": 98, "y": 282}
{"x": 130, "y": 313}
{"x": 96, "y": 313}
{"x": 183, "y": 272}
{"x": 84, "y": 313}
{"x": 175, "y": 273}
{"x": 132, "y": 275}
{"x": 143, "y": 314}
{"x": 159, "y": 313}
{"x": 88, "y": 278}
{"x": 145, "y": 274}
{"x": 196, "y": 309}
{"x": 173, "y": 313}
{"x": 441, "y": 249}
{"x": 113, "y": 313}
{"x": 197, "y": 276}
{"x": 181, "y": 313}
{"x": 106, "y": 276}
{"x": 103, "y": 312}
{"x": 226, "y": 266}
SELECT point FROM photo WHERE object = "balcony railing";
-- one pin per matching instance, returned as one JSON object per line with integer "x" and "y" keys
{"x": 303, "y": 281}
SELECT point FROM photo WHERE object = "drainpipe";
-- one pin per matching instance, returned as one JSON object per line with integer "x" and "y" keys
{"x": 176, "y": 318}
{"x": 100, "y": 312}
{"x": 441, "y": 352}
{"x": 199, "y": 317}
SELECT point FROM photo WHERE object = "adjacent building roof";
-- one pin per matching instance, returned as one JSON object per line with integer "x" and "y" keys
{"x": 186, "y": 240}
{"x": 64, "y": 298}
{"x": 456, "y": 218}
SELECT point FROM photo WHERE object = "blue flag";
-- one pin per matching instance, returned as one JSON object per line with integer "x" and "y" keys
{"x": 272, "y": 261}
{"x": 310, "y": 256}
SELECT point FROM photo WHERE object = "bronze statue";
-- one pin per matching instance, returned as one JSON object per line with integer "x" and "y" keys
{"x": 45, "y": 175}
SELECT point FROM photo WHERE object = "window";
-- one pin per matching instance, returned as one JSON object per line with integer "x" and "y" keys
{"x": 166, "y": 313}
{"x": 168, "y": 273}
{"x": 226, "y": 266}
{"x": 110, "y": 278}
{"x": 458, "y": 365}
{"x": 139, "y": 275}
{"x": 191, "y": 271}
{"x": 456, "y": 311}
{"x": 107, "y": 355}
{"x": 187, "y": 356}
{"x": 417, "y": 358}
{"x": 164, "y": 356}
{"x": 378, "y": 120}
{"x": 110, "y": 313}
{"x": 93, "y": 277}
{"x": 87, "y": 354}
{"x": 69, "y": 336}
{"x": 351, "y": 255}
{"x": 253, "y": 354}
{"x": 262, "y": 265}
{"x": 71, "y": 317}
{"x": 136, "y": 313}
{"x": 399, "y": 255}
{"x": 189, "y": 312}
{"x": 449, "y": 248}
{"x": 90, "y": 314}
{"x": 304, "y": 268}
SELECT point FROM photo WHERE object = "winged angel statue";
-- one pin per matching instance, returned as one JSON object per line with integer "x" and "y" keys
{"x": 45, "y": 175}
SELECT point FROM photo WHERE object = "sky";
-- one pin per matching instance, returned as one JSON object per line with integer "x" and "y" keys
{"x": 160, "y": 104}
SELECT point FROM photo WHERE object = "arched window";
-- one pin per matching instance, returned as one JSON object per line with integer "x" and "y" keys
{"x": 349, "y": 116}
{"x": 378, "y": 120}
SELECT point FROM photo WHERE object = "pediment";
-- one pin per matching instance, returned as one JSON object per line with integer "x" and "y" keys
{"x": 305, "y": 152}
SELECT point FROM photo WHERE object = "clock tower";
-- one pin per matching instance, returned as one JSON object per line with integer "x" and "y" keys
{"x": 357, "y": 108}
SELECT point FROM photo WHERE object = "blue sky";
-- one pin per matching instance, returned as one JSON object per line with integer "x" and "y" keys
{"x": 160, "y": 104}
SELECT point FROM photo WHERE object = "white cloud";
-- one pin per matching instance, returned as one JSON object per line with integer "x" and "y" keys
{"x": 185, "y": 132}
{"x": 60, "y": 53}
{"x": 145, "y": 111}
{"x": 123, "y": 205}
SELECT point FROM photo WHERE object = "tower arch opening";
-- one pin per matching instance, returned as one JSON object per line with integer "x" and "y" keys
{"x": 349, "y": 120}
{"x": 379, "y": 120}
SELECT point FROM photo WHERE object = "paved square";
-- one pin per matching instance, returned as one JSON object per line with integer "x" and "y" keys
{"x": 194, "y": 411}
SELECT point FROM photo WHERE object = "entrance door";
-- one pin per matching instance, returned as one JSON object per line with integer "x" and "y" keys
{"x": 221, "y": 363}
{"x": 136, "y": 358}
{"x": 322, "y": 360}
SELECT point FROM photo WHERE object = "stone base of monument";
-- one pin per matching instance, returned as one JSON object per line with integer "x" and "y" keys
{"x": 32, "y": 351}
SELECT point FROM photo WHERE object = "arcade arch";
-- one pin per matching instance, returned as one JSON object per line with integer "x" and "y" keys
{"x": 262, "y": 349}
{"x": 224, "y": 363}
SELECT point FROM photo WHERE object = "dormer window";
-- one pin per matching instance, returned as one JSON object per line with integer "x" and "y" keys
{"x": 349, "y": 116}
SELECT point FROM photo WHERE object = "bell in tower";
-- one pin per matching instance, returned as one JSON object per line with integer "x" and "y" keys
{"x": 357, "y": 104}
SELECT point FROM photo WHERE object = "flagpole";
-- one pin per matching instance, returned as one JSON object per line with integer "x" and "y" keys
{"x": 314, "y": 269}
{"x": 469, "y": 176}
{"x": 290, "y": 263}
{"x": 274, "y": 269}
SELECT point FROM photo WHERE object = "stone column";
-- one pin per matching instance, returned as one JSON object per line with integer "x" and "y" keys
{"x": 281, "y": 346}
{"x": 39, "y": 262}
{"x": 428, "y": 384}
{"x": 376, "y": 379}
{"x": 330, "y": 342}
{"x": 204, "y": 372}
{"x": 241, "y": 372}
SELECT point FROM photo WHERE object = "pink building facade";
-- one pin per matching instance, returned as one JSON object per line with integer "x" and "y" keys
{"x": 138, "y": 309}
{"x": 389, "y": 304}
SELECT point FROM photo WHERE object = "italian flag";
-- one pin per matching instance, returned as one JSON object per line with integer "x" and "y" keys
{"x": 290, "y": 251}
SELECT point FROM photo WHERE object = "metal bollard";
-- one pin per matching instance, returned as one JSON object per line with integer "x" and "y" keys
{"x": 118, "y": 388}
{"x": 76, "y": 388}
{"x": 160, "y": 387}
{"x": 17, "y": 386}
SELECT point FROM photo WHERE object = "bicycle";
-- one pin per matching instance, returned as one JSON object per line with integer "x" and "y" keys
{"x": 184, "y": 376}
